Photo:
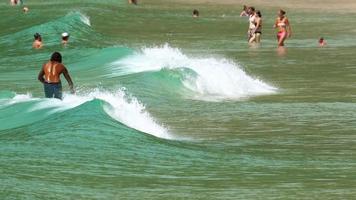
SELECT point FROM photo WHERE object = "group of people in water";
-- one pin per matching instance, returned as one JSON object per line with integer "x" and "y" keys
{"x": 281, "y": 23}
{"x": 52, "y": 70}
{"x": 255, "y": 25}
{"x": 38, "y": 43}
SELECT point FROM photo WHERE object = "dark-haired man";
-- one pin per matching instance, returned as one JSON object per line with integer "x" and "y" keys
{"x": 50, "y": 77}
{"x": 37, "y": 43}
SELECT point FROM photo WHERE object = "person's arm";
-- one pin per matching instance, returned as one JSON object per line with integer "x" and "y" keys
{"x": 69, "y": 80}
{"x": 40, "y": 76}
{"x": 275, "y": 23}
{"x": 289, "y": 28}
{"x": 258, "y": 23}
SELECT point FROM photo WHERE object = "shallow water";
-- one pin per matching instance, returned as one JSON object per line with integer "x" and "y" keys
{"x": 173, "y": 107}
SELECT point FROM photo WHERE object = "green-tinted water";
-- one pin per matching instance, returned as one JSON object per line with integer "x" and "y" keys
{"x": 170, "y": 107}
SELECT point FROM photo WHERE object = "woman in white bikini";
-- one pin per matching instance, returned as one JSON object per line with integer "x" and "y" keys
{"x": 256, "y": 33}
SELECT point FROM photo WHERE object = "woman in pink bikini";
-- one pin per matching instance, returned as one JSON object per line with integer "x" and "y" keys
{"x": 284, "y": 28}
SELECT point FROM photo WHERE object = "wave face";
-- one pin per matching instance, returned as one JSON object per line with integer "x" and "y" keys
{"x": 121, "y": 107}
{"x": 77, "y": 24}
{"x": 209, "y": 78}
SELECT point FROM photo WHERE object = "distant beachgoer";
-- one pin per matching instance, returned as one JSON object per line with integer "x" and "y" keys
{"x": 50, "y": 77}
{"x": 65, "y": 38}
{"x": 13, "y": 2}
{"x": 133, "y": 2}
{"x": 284, "y": 28}
{"x": 25, "y": 9}
{"x": 244, "y": 12}
{"x": 322, "y": 42}
{"x": 252, "y": 26}
{"x": 195, "y": 13}
{"x": 256, "y": 37}
{"x": 37, "y": 44}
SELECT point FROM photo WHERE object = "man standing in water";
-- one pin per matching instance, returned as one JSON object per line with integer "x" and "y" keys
{"x": 50, "y": 77}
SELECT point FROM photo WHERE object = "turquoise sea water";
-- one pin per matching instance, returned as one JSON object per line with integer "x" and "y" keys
{"x": 170, "y": 107}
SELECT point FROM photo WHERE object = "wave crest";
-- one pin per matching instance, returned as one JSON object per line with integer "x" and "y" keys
{"x": 215, "y": 79}
{"x": 119, "y": 106}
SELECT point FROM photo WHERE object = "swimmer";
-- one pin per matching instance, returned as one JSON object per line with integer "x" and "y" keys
{"x": 322, "y": 42}
{"x": 25, "y": 9}
{"x": 37, "y": 44}
{"x": 50, "y": 77}
{"x": 195, "y": 13}
{"x": 13, "y": 2}
{"x": 284, "y": 28}
{"x": 256, "y": 37}
{"x": 65, "y": 38}
{"x": 252, "y": 26}
{"x": 133, "y": 2}
{"x": 244, "y": 12}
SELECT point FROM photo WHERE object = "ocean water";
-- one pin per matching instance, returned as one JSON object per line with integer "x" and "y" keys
{"x": 170, "y": 107}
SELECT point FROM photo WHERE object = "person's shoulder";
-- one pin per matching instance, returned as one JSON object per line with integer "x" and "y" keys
{"x": 46, "y": 63}
{"x": 62, "y": 66}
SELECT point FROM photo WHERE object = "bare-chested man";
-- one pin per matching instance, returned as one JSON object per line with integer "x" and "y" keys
{"x": 50, "y": 77}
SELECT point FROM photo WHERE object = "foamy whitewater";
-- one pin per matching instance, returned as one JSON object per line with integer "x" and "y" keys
{"x": 121, "y": 107}
{"x": 216, "y": 79}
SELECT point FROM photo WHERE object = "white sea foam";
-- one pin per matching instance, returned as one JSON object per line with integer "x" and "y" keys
{"x": 127, "y": 110}
{"x": 85, "y": 19}
{"x": 217, "y": 79}
{"x": 18, "y": 98}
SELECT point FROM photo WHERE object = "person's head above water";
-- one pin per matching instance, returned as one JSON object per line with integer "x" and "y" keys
{"x": 244, "y": 8}
{"x": 56, "y": 57}
{"x": 251, "y": 10}
{"x": 65, "y": 36}
{"x": 195, "y": 13}
{"x": 258, "y": 13}
{"x": 25, "y": 9}
{"x": 322, "y": 42}
{"x": 37, "y": 36}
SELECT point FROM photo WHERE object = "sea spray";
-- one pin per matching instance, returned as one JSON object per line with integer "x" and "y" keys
{"x": 216, "y": 79}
